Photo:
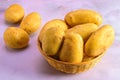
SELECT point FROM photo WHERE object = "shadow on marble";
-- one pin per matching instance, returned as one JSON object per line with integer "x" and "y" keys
{"x": 11, "y": 50}
{"x": 12, "y": 24}
{"x": 49, "y": 70}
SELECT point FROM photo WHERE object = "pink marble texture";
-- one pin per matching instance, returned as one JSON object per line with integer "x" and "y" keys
{"x": 29, "y": 64}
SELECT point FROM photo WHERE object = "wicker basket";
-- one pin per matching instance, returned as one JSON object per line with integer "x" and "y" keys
{"x": 70, "y": 67}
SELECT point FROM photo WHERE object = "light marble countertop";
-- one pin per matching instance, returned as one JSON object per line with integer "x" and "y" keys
{"x": 29, "y": 64}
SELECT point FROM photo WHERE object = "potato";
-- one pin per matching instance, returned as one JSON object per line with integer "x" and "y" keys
{"x": 52, "y": 40}
{"x": 31, "y": 22}
{"x": 53, "y": 23}
{"x": 72, "y": 48}
{"x": 83, "y": 16}
{"x": 16, "y": 37}
{"x": 14, "y": 13}
{"x": 99, "y": 41}
{"x": 84, "y": 30}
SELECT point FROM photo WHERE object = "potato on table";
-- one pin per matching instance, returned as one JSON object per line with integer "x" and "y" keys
{"x": 83, "y": 16}
{"x": 99, "y": 41}
{"x": 85, "y": 30}
{"x": 53, "y": 23}
{"x": 31, "y": 22}
{"x": 14, "y": 13}
{"x": 72, "y": 48}
{"x": 16, "y": 37}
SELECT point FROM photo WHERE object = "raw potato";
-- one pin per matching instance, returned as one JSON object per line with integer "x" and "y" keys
{"x": 52, "y": 40}
{"x": 84, "y": 30}
{"x": 83, "y": 16}
{"x": 72, "y": 48}
{"x": 53, "y": 23}
{"x": 99, "y": 41}
{"x": 14, "y": 13}
{"x": 16, "y": 37}
{"x": 31, "y": 22}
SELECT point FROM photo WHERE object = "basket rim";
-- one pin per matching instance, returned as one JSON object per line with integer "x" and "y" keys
{"x": 52, "y": 59}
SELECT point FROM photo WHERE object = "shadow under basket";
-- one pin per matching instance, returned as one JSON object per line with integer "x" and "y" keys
{"x": 70, "y": 67}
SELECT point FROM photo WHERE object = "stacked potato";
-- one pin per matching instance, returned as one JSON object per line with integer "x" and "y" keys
{"x": 19, "y": 37}
{"x": 78, "y": 38}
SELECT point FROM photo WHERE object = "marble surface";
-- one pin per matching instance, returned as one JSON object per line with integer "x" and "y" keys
{"x": 29, "y": 64}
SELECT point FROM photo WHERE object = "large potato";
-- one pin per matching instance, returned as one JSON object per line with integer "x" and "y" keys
{"x": 31, "y": 22}
{"x": 52, "y": 40}
{"x": 14, "y": 13}
{"x": 16, "y": 37}
{"x": 99, "y": 41}
{"x": 72, "y": 48}
{"x": 84, "y": 30}
{"x": 53, "y": 23}
{"x": 83, "y": 16}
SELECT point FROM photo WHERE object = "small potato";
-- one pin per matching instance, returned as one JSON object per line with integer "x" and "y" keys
{"x": 16, "y": 37}
{"x": 53, "y": 23}
{"x": 99, "y": 41}
{"x": 85, "y": 30}
{"x": 14, "y": 13}
{"x": 72, "y": 48}
{"x": 52, "y": 40}
{"x": 31, "y": 22}
{"x": 83, "y": 16}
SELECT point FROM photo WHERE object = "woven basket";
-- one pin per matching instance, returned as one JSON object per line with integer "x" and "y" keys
{"x": 70, "y": 67}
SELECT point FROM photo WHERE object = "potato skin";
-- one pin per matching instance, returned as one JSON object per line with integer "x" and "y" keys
{"x": 14, "y": 13}
{"x": 31, "y": 22}
{"x": 52, "y": 40}
{"x": 85, "y": 30}
{"x": 53, "y": 23}
{"x": 99, "y": 41}
{"x": 83, "y": 16}
{"x": 16, "y": 38}
{"x": 72, "y": 48}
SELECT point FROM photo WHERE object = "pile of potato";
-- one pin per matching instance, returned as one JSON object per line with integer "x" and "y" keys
{"x": 15, "y": 37}
{"x": 77, "y": 38}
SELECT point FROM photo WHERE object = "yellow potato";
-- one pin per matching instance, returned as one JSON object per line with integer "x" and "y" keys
{"x": 84, "y": 30}
{"x": 72, "y": 48}
{"x": 52, "y": 40}
{"x": 31, "y": 22}
{"x": 14, "y": 13}
{"x": 16, "y": 37}
{"x": 53, "y": 23}
{"x": 83, "y": 16}
{"x": 99, "y": 41}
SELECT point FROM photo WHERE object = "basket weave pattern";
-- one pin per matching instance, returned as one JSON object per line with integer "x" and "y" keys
{"x": 70, "y": 67}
